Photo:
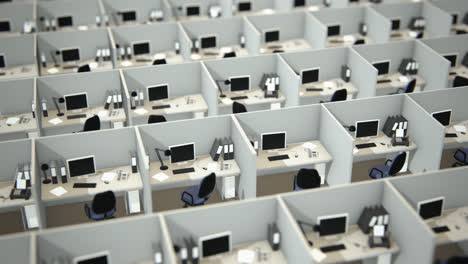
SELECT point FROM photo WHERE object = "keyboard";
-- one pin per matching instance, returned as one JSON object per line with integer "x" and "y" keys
{"x": 76, "y": 116}
{"x": 161, "y": 106}
{"x": 452, "y": 73}
{"x": 384, "y": 81}
{"x": 440, "y": 229}
{"x": 275, "y": 47}
{"x": 2, "y": 73}
{"x": 70, "y": 67}
{"x": 314, "y": 89}
{"x": 450, "y": 135}
{"x": 239, "y": 97}
{"x": 394, "y": 35}
{"x": 84, "y": 185}
{"x": 365, "y": 145}
{"x": 332, "y": 248}
{"x": 279, "y": 157}
{"x": 184, "y": 170}
{"x": 143, "y": 60}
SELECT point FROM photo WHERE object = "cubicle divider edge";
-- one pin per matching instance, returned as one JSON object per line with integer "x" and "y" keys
{"x": 434, "y": 68}
{"x": 379, "y": 27}
{"x": 315, "y": 32}
{"x": 143, "y": 164}
{"x": 438, "y": 22}
{"x": 209, "y": 90}
{"x": 253, "y": 38}
{"x": 363, "y": 74}
{"x": 289, "y": 82}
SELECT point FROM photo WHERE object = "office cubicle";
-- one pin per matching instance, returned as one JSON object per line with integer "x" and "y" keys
{"x": 18, "y": 248}
{"x": 410, "y": 241}
{"x": 18, "y": 109}
{"x": 19, "y": 56}
{"x": 431, "y": 70}
{"x": 424, "y": 148}
{"x": 458, "y": 10}
{"x": 187, "y": 97}
{"x": 124, "y": 241}
{"x": 97, "y": 87}
{"x": 20, "y": 15}
{"x": 137, "y": 12}
{"x": 200, "y": 9}
{"x": 258, "y": 7}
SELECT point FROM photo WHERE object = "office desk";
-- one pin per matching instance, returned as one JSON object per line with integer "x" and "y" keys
{"x": 28, "y": 125}
{"x": 346, "y": 40}
{"x": 7, "y": 205}
{"x": 383, "y": 148}
{"x": 329, "y": 87}
{"x": 51, "y": 69}
{"x": 21, "y": 71}
{"x": 218, "y": 53}
{"x": 258, "y": 247}
{"x": 459, "y": 27}
{"x": 406, "y": 34}
{"x": 357, "y": 247}
{"x": 73, "y": 195}
{"x": 397, "y": 81}
{"x": 298, "y": 158}
{"x": 73, "y": 28}
{"x": 266, "y": 11}
{"x": 285, "y": 46}
{"x": 456, "y": 220}
{"x": 460, "y": 140}
{"x": 460, "y": 70}
{"x": 191, "y": 18}
{"x": 137, "y": 61}
{"x": 255, "y": 97}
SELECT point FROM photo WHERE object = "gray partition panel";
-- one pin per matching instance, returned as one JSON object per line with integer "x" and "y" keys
{"x": 289, "y": 82}
{"x": 433, "y": 68}
{"x": 348, "y": 18}
{"x": 143, "y": 164}
{"x": 379, "y": 27}
{"x": 17, "y": 96}
{"x": 16, "y": 248}
{"x": 253, "y": 37}
{"x": 402, "y": 11}
{"x": 17, "y": 14}
{"x": 19, "y": 50}
{"x": 290, "y": 25}
{"x": 363, "y": 74}
{"x": 226, "y": 30}
{"x": 83, "y": 12}
{"x": 209, "y": 90}
{"x": 438, "y": 22}
{"x": 14, "y": 154}
{"x": 185, "y": 43}
{"x": 141, "y": 7}
{"x": 458, "y": 7}
{"x": 315, "y": 32}
{"x": 395, "y": 52}
{"x": 449, "y": 45}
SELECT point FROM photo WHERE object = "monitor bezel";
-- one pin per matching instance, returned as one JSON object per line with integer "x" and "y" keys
{"x": 186, "y": 6}
{"x": 184, "y": 144}
{"x": 451, "y": 54}
{"x": 9, "y": 24}
{"x": 141, "y": 42}
{"x": 4, "y": 61}
{"x": 272, "y": 133}
{"x": 381, "y": 61}
{"x": 237, "y": 77}
{"x": 325, "y": 217}
{"x": 70, "y": 48}
{"x": 66, "y": 105}
{"x": 212, "y": 236}
{"x": 420, "y": 203}
{"x": 154, "y": 86}
{"x": 244, "y": 2}
{"x": 79, "y": 158}
{"x": 391, "y": 23}
{"x": 310, "y": 69}
{"x": 271, "y": 30}
{"x": 93, "y": 255}
{"x": 64, "y": 16}
{"x": 365, "y": 121}
{"x": 439, "y": 112}
{"x": 126, "y": 11}
{"x": 208, "y": 36}
{"x": 332, "y": 25}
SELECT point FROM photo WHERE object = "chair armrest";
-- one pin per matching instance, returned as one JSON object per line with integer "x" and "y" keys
{"x": 191, "y": 197}
{"x": 87, "y": 210}
{"x": 389, "y": 160}
{"x": 462, "y": 152}
{"x": 372, "y": 170}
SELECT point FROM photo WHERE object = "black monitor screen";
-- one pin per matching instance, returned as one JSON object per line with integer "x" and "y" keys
{"x": 443, "y": 117}
{"x": 431, "y": 209}
{"x": 452, "y": 59}
{"x": 310, "y": 76}
{"x": 129, "y": 16}
{"x": 215, "y": 246}
{"x": 271, "y": 36}
{"x": 5, "y": 26}
{"x": 333, "y": 30}
{"x": 367, "y": 128}
{"x": 5, "y": 1}
{"x": 156, "y": 93}
{"x": 274, "y": 141}
{"x": 454, "y": 19}
{"x": 141, "y": 48}
{"x": 382, "y": 67}
{"x": 80, "y": 167}
{"x": 240, "y": 83}
{"x": 70, "y": 55}
{"x": 75, "y": 102}
{"x": 395, "y": 24}
{"x": 208, "y": 42}
{"x": 182, "y": 153}
{"x": 65, "y": 21}
{"x": 2, "y": 61}
{"x": 353, "y": 1}
{"x": 244, "y": 6}
{"x": 193, "y": 10}
{"x": 299, "y": 3}
{"x": 333, "y": 226}
{"x": 98, "y": 260}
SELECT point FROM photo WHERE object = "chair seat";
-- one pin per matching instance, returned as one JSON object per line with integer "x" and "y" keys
{"x": 196, "y": 200}
{"x": 378, "y": 171}
{"x": 94, "y": 216}
{"x": 460, "y": 155}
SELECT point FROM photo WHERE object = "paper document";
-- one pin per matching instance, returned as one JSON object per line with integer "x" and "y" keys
{"x": 309, "y": 145}
{"x": 20, "y": 184}
{"x": 212, "y": 166}
{"x": 245, "y": 256}
{"x": 318, "y": 255}
{"x": 403, "y": 79}
{"x": 329, "y": 84}
{"x": 355, "y": 150}
{"x": 227, "y": 101}
{"x": 160, "y": 177}
{"x": 12, "y": 120}
{"x": 55, "y": 121}
{"x": 108, "y": 176}
{"x": 140, "y": 111}
{"x": 103, "y": 113}
{"x": 349, "y": 38}
{"x": 460, "y": 129}
{"x": 59, "y": 191}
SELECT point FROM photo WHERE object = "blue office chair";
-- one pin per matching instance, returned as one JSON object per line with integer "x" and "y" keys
{"x": 460, "y": 81}
{"x": 306, "y": 179}
{"x": 461, "y": 157}
{"x": 84, "y": 68}
{"x": 384, "y": 170}
{"x": 103, "y": 206}
{"x": 338, "y": 95}
{"x": 238, "y": 108}
{"x": 152, "y": 119}
{"x": 92, "y": 124}
{"x": 198, "y": 195}
{"x": 455, "y": 260}
{"x": 409, "y": 87}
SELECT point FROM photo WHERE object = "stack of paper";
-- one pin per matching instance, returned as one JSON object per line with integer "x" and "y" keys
{"x": 160, "y": 176}
{"x": 140, "y": 111}
{"x": 108, "y": 176}
{"x": 55, "y": 121}
{"x": 59, "y": 191}
{"x": 12, "y": 120}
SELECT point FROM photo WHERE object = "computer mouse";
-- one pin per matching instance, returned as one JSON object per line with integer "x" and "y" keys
{"x": 296, "y": 155}
{"x": 383, "y": 144}
{"x": 205, "y": 168}
{"x": 463, "y": 133}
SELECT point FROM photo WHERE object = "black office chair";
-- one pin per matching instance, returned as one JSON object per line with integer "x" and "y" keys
{"x": 461, "y": 157}
{"x": 84, "y": 68}
{"x": 229, "y": 54}
{"x": 338, "y": 95}
{"x": 455, "y": 260}
{"x": 360, "y": 42}
{"x": 156, "y": 119}
{"x": 460, "y": 81}
{"x": 420, "y": 35}
{"x": 92, "y": 124}
{"x": 306, "y": 179}
{"x": 409, "y": 87}
{"x": 198, "y": 195}
{"x": 103, "y": 206}
{"x": 238, "y": 108}
{"x": 159, "y": 61}
{"x": 384, "y": 170}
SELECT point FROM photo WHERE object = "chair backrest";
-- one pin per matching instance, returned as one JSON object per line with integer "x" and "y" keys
{"x": 159, "y": 61}
{"x": 207, "y": 185}
{"x": 308, "y": 178}
{"x": 457, "y": 260}
{"x": 410, "y": 86}
{"x": 460, "y": 81}
{"x": 397, "y": 163}
{"x": 339, "y": 95}
{"x": 156, "y": 119}
{"x": 359, "y": 42}
{"x": 103, "y": 202}
{"x": 84, "y": 68}
{"x": 92, "y": 124}
{"x": 238, "y": 108}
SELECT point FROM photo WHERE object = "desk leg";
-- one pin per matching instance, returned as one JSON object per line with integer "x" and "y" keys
{"x": 117, "y": 124}
{"x": 384, "y": 259}
{"x": 30, "y": 218}
{"x": 199, "y": 115}
{"x": 275, "y": 106}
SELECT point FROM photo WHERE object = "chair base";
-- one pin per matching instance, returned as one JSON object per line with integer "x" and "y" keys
{"x": 186, "y": 205}
{"x": 456, "y": 164}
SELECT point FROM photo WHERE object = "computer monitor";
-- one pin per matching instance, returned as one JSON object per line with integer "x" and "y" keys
{"x": 70, "y": 54}
{"x": 192, "y": 10}
{"x": 5, "y": 26}
{"x": 183, "y": 152}
{"x": 396, "y": 24}
{"x": 383, "y": 67}
{"x": 333, "y": 30}
{"x": 443, "y": 117}
{"x": 240, "y": 83}
{"x": 332, "y": 224}
{"x": 244, "y": 6}
{"x": 454, "y": 19}
{"x": 65, "y": 21}
{"x": 452, "y": 58}
{"x": 158, "y": 92}
{"x": 275, "y": 140}
{"x": 128, "y": 15}
{"x": 215, "y": 244}
{"x": 272, "y": 35}
{"x": 310, "y": 75}
{"x": 81, "y": 166}
{"x": 207, "y": 42}
{"x": 431, "y": 208}
{"x": 299, "y": 3}
{"x": 96, "y": 258}
{"x": 2, "y": 60}
{"x": 140, "y": 48}
{"x": 368, "y": 128}
{"x": 76, "y": 101}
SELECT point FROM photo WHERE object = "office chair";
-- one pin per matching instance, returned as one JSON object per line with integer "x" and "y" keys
{"x": 92, "y": 124}
{"x": 103, "y": 206}
{"x": 461, "y": 157}
{"x": 460, "y": 81}
{"x": 420, "y": 35}
{"x": 156, "y": 119}
{"x": 454, "y": 260}
{"x": 384, "y": 170}
{"x": 338, "y": 95}
{"x": 408, "y": 89}
{"x": 198, "y": 195}
{"x": 159, "y": 61}
{"x": 238, "y": 108}
{"x": 84, "y": 68}
{"x": 359, "y": 42}
{"x": 306, "y": 179}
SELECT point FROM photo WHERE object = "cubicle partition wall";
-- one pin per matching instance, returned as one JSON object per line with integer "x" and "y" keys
{"x": 9, "y": 246}
{"x": 179, "y": 7}
{"x": 17, "y": 14}
{"x": 121, "y": 12}
{"x": 20, "y": 56}
{"x": 458, "y": 10}
{"x": 256, "y": 7}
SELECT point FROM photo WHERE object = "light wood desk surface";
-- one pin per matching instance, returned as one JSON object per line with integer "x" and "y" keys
{"x": 29, "y": 124}
{"x": 456, "y": 220}
{"x": 73, "y": 28}
{"x": 218, "y": 53}
{"x": 458, "y": 27}
{"x": 285, "y": 45}
{"x": 406, "y": 34}
{"x": 461, "y": 138}
{"x": 396, "y": 82}
{"x": 346, "y": 40}
{"x": 460, "y": 70}
{"x": 16, "y": 72}
{"x": 147, "y": 60}
{"x": 328, "y": 86}
{"x": 255, "y": 96}
{"x": 50, "y": 68}
{"x": 193, "y": 103}
{"x": 112, "y": 115}
{"x": 383, "y": 147}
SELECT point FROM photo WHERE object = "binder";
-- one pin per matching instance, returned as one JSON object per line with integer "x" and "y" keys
{"x": 53, "y": 173}
{"x": 274, "y": 236}
{"x": 119, "y": 98}
{"x": 134, "y": 164}
{"x": 44, "y": 108}
{"x": 226, "y": 149}
{"x": 63, "y": 174}
{"x": 216, "y": 149}
{"x": 108, "y": 101}
{"x": 231, "y": 149}
{"x": 194, "y": 252}
{"x": 27, "y": 174}
{"x": 115, "y": 100}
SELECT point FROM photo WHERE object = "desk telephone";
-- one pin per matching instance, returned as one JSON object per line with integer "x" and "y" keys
{"x": 20, "y": 194}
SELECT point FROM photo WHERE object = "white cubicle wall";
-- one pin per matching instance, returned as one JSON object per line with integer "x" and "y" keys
{"x": 18, "y": 248}
{"x": 17, "y": 14}
{"x": 257, "y": 7}
{"x": 20, "y": 51}
{"x": 453, "y": 7}
{"x": 142, "y": 8}
{"x": 178, "y": 7}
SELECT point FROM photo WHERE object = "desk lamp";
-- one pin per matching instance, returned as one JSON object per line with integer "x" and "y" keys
{"x": 59, "y": 100}
{"x": 166, "y": 153}
{"x": 44, "y": 168}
